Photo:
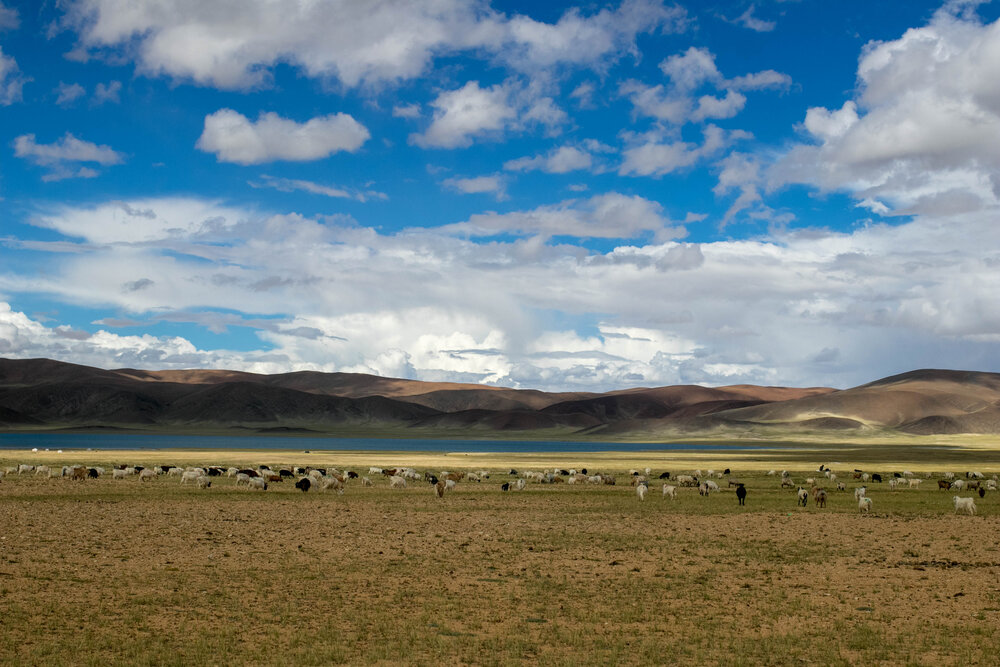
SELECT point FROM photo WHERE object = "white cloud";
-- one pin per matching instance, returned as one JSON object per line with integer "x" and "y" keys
{"x": 467, "y": 113}
{"x": 558, "y": 161}
{"x": 433, "y": 305}
{"x": 232, "y": 137}
{"x": 653, "y": 157}
{"x": 691, "y": 69}
{"x": 689, "y": 72}
{"x": 609, "y": 215}
{"x": 107, "y": 92}
{"x": 11, "y": 80}
{"x": 60, "y": 157}
{"x": 748, "y": 20}
{"x": 406, "y": 111}
{"x": 9, "y": 19}
{"x": 923, "y": 134}
{"x": 478, "y": 185}
{"x": 354, "y": 43}
{"x": 68, "y": 92}
{"x": 300, "y": 185}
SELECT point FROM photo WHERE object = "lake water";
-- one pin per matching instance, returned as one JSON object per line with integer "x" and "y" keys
{"x": 96, "y": 441}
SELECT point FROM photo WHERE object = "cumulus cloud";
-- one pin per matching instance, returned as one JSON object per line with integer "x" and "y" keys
{"x": 558, "y": 161}
{"x": 11, "y": 80}
{"x": 62, "y": 157}
{"x": 610, "y": 215}
{"x": 332, "y": 295}
{"x": 677, "y": 103}
{"x": 107, "y": 92}
{"x": 923, "y": 134}
{"x": 655, "y": 157}
{"x": 9, "y": 19}
{"x": 468, "y": 112}
{"x": 748, "y": 20}
{"x": 232, "y": 137}
{"x": 68, "y": 92}
{"x": 494, "y": 185}
{"x": 350, "y": 42}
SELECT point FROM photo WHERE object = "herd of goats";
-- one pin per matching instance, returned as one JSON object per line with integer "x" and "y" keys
{"x": 325, "y": 479}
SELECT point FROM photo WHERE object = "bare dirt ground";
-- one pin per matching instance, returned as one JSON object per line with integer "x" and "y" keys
{"x": 114, "y": 572}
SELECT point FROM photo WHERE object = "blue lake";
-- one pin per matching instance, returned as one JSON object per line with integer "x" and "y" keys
{"x": 96, "y": 441}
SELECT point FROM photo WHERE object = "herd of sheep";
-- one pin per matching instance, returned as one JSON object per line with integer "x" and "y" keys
{"x": 326, "y": 479}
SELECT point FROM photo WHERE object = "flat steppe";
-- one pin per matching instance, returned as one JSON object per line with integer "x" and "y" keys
{"x": 121, "y": 572}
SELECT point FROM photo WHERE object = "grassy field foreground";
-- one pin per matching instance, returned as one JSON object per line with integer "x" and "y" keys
{"x": 118, "y": 572}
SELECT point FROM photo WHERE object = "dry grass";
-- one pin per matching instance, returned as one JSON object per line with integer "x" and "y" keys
{"x": 118, "y": 572}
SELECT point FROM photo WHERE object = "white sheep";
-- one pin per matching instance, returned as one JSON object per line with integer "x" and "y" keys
{"x": 865, "y": 477}
{"x": 118, "y": 474}
{"x": 374, "y": 471}
{"x": 450, "y": 484}
{"x": 991, "y": 485}
{"x": 518, "y": 485}
{"x": 771, "y": 473}
{"x": 958, "y": 484}
{"x": 865, "y": 505}
{"x": 670, "y": 491}
{"x": 915, "y": 483}
{"x": 712, "y": 486}
{"x": 803, "y": 496}
{"x": 949, "y": 475}
{"x": 366, "y": 481}
{"x": 232, "y": 472}
{"x": 841, "y": 486}
{"x": 256, "y": 484}
{"x": 640, "y": 490}
{"x": 966, "y": 505}
{"x": 190, "y": 476}
{"x": 24, "y": 467}
{"x": 204, "y": 481}
{"x": 241, "y": 478}
{"x": 331, "y": 483}
{"x": 860, "y": 492}
{"x": 41, "y": 470}
{"x": 147, "y": 474}
{"x": 907, "y": 474}
{"x": 397, "y": 482}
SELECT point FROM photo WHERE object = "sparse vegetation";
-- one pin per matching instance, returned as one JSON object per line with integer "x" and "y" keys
{"x": 113, "y": 571}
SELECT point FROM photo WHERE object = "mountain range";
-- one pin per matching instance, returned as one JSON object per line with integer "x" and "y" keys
{"x": 45, "y": 394}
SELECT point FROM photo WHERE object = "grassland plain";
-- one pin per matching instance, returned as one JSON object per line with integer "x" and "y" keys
{"x": 118, "y": 572}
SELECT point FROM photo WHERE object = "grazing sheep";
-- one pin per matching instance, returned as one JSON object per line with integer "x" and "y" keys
{"x": 949, "y": 475}
{"x": 982, "y": 492}
{"x": 303, "y": 484}
{"x": 958, "y": 484}
{"x": 256, "y": 484}
{"x": 374, "y": 471}
{"x": 79, "y": 473}
{"x": 771, "y": 473}
{"x": 810, "y": 481}
{"x": 877, "y": 478}
{"x": 991, "y": 485}
{"x": 915, "y": 483}
{"x": 860, "y": 492}
{"x": 787, "y": 482}
{"x": 865, "y": 477}
{"x": 686, "y": 480}
{"x": 841, "y": 486}
{"x": 893, "y": 483}
{"x": 975, "y": 474}
{"x": 146, "y": 475}
{"x": 242, "y": 478}
{"x": 907, "y": 474}
{"x": 820, "y": 497}
{"x": 943, "y": 484}
{"x": 641, "y": 490}
{"x": 664, "y": 475}
{"x": 741, "y": 494}
{"x": 519, "y": 485}
{"x": 440, "y": 487}
{"x": 865, "y": 505}
{"x": 971, "y": 485}
{"x": 365, "y": 481}
{"x": 190, "y": 476}
{"x": 204, "y": 482}
{"x": 505, "y": 486}
{"x": 703, "y": 489}
{"x": 803, "y": 497}
{"x": 966, "y": 505}
{"x": 24, "y": 467}
{"x": 118, "y": 474}
{"x": 331, "y": 482}
{"x": 397, "y": 482}
{"x": 451, "y": 484}
{"x": 670, "y": 491}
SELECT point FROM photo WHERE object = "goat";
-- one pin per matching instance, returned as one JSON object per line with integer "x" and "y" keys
{"x": 964, "y": 505}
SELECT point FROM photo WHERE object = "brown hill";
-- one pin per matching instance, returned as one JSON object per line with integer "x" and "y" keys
{"x": 47, "y": 393}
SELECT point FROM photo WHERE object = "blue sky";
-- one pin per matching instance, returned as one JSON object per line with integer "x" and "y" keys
{"x": 572, "y": 196}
